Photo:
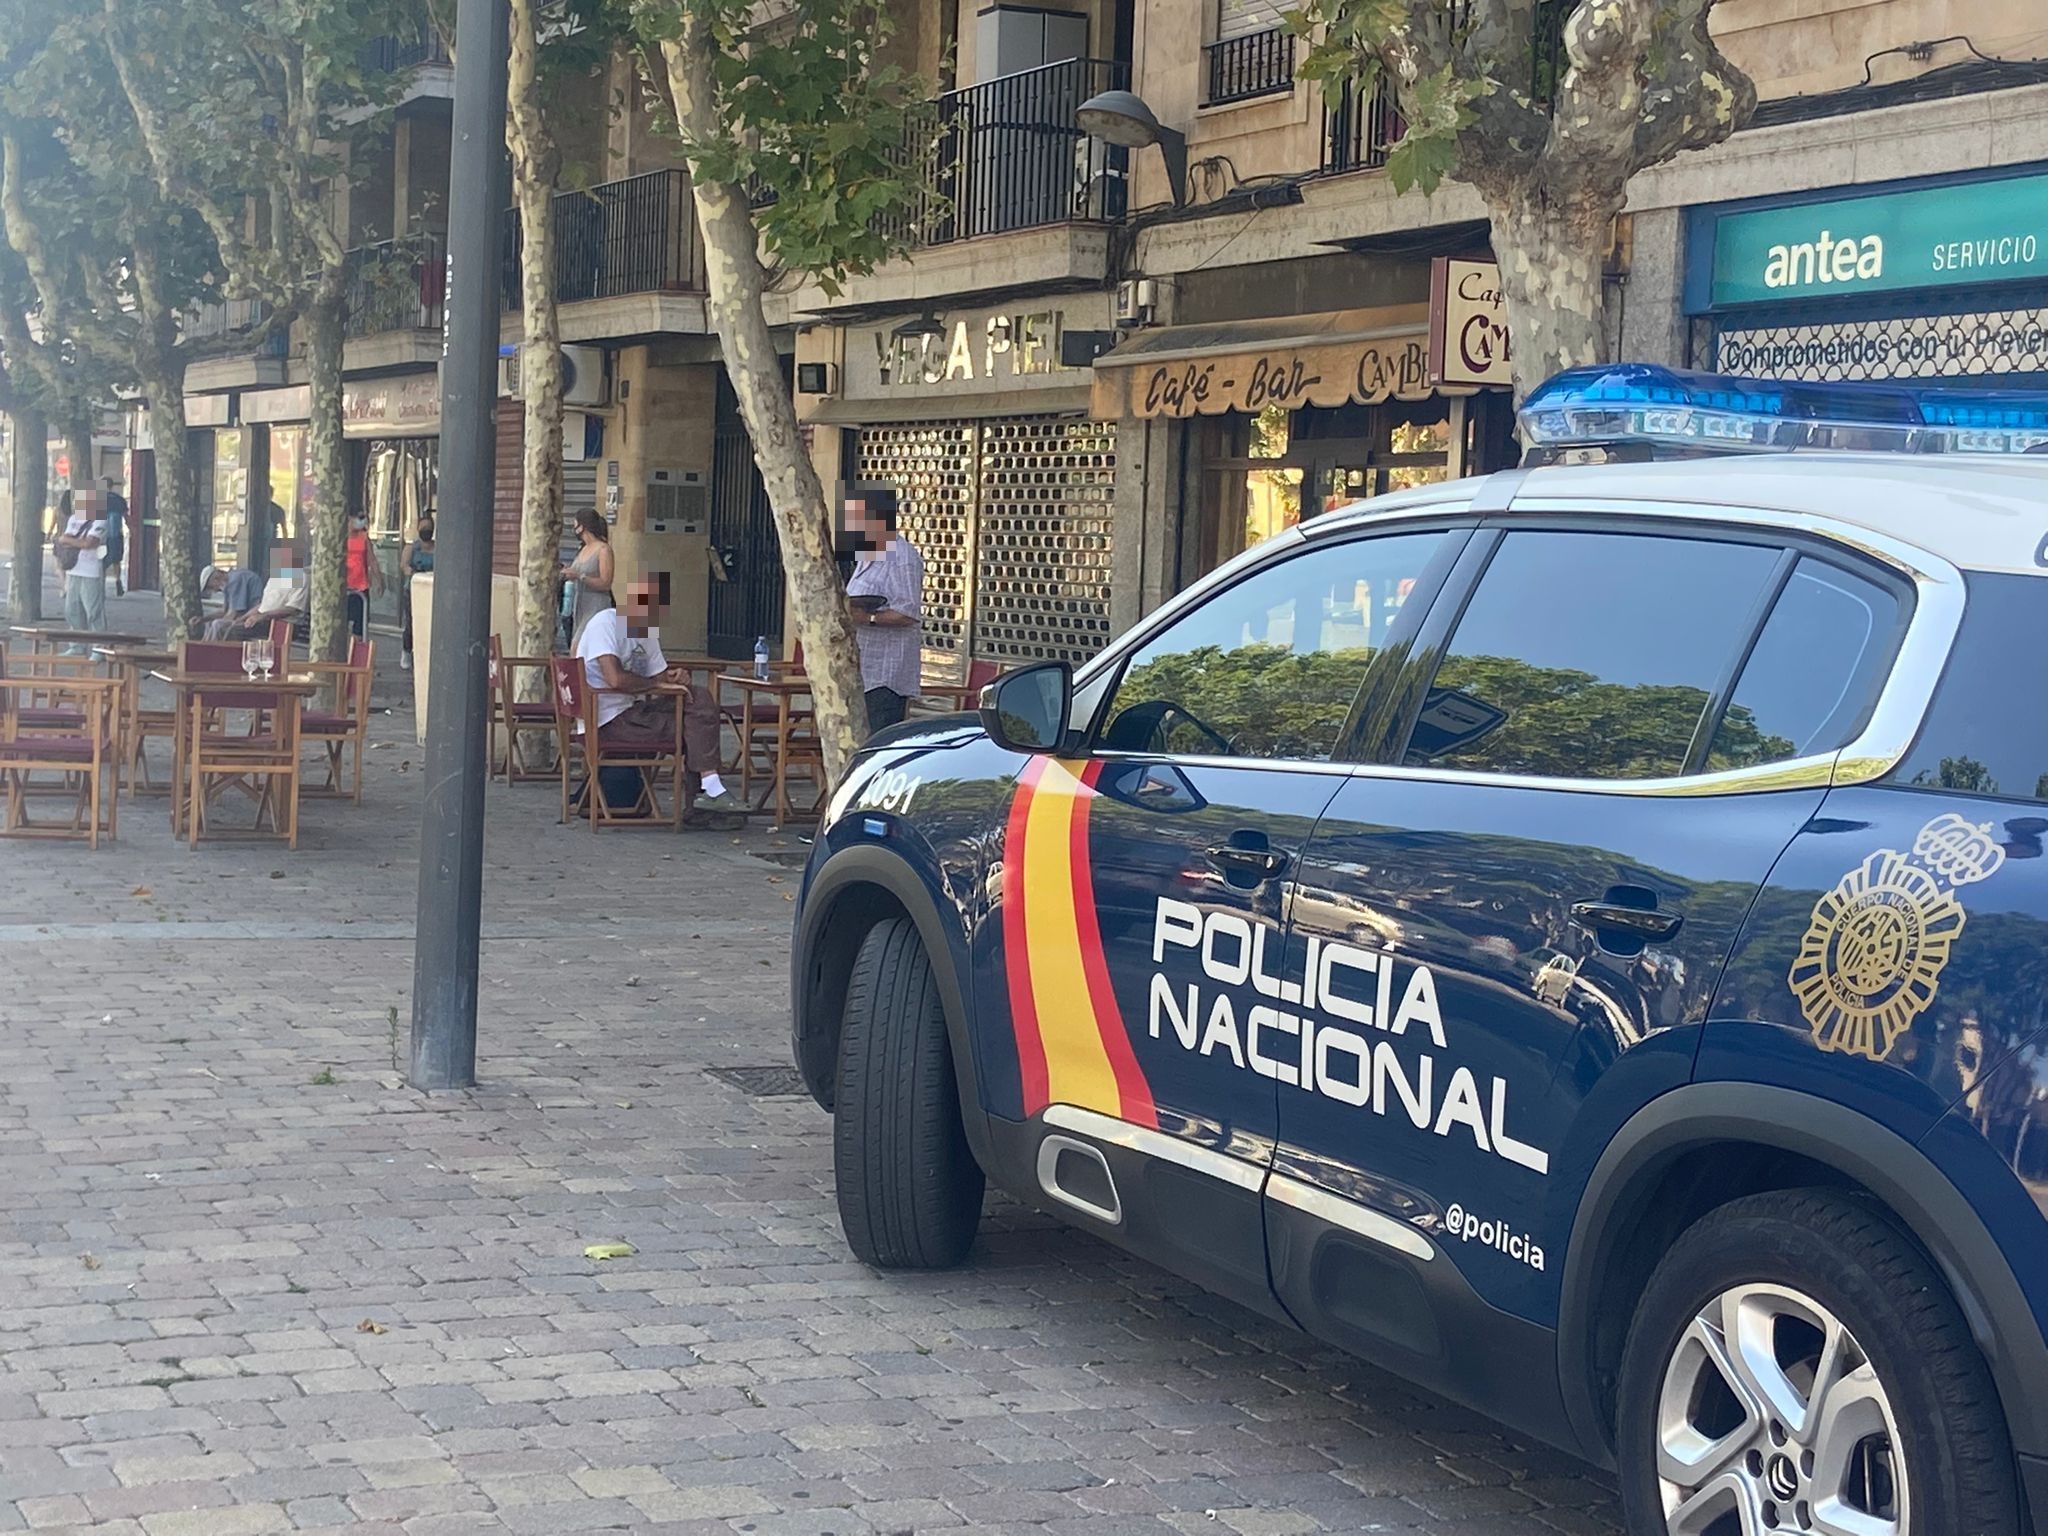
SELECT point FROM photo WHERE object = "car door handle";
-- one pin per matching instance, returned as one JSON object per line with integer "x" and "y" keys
{"x": 1262, "y": 862}
{"x": 1614, "y": 917}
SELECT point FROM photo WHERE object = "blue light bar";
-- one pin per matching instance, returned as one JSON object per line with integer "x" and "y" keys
{"x": 1663, "y": 411}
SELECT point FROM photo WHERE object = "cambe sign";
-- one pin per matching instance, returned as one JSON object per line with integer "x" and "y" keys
{"x": 1468, "y": 324}
{"x": 1931, "y": 237}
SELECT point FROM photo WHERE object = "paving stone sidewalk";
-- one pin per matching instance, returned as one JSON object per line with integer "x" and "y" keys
{"x": 250, "y": 1283}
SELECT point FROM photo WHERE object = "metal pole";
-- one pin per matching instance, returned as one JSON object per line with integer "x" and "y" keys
{"x": 452, "y": 831}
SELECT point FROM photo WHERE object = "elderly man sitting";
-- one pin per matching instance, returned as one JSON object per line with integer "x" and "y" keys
{"x": 621, "y": 655}
{"x": 248, "y": 604}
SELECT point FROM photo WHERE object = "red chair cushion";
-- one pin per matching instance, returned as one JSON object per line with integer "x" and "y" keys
{"x": 529, "y": 711}
{"x": 327, "y": 725}
{"x": 52, "y": 719}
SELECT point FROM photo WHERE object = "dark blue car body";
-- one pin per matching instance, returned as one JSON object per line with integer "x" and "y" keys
{"x": 1427, "y": 1087}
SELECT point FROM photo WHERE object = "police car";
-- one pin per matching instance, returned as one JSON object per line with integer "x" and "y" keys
{"x": 1576, "y": 937}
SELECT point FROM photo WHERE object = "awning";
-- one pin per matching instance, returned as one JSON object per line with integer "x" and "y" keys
{"x": 1341, "y": 357}
{"x": 1060, "y": 400}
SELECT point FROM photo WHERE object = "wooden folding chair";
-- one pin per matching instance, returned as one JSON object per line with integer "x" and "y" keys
{"x": 209, "y": 724}
{"x": 267, "y": 754}
{"x": 575, "y": 705}
{"x": 516, "y": 717}
{"x": 347, "y": 725}
{"x": 78, "y": 748}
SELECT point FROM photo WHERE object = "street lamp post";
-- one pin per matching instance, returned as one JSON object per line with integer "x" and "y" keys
{"x": 452, "y": 832}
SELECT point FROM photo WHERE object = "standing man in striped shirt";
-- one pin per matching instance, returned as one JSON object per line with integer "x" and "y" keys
{"x": 886, "y": 592}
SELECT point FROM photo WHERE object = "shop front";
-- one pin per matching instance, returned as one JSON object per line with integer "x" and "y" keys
{"x": 1287, "y": 417}
{"x": 980, "y": 419}
{"x": 391, "y": 429}
{"x": 1943, "y": 278}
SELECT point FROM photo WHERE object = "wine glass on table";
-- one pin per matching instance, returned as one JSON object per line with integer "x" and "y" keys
{"x": 266, "y": 657}
{"x": 249, "y": 662}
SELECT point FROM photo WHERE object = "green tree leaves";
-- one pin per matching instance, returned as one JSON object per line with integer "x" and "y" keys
{"x": 831, "y": 144}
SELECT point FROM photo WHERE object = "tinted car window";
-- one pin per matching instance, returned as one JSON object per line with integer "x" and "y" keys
{"x": 1987, "y": 733}
{"x": 1589, "y": 655}
{"x": 1269, "y": 667}
{"x": 1815, "y": 671}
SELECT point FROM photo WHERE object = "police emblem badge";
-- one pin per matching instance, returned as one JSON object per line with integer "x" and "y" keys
{"x": 1875, "y": 947}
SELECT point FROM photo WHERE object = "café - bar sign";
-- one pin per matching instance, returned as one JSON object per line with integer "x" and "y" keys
{"x": 1360, "y": 370}
{"x": 1957, "y": 234}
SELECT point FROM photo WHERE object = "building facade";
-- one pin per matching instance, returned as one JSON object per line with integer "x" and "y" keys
{"x": 1090, "y": 391}
{"x": 1092, "y": 385}
{"x": 650, "y": 439}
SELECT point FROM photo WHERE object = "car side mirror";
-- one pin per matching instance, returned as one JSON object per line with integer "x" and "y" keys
{"x": 1027, "y": 710}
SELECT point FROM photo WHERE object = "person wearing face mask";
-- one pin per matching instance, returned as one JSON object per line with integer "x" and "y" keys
{"x": 886, "y": 593}
{"x": 589, "y": 575}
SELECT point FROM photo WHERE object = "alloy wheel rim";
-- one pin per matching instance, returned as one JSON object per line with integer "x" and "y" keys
{"x": 1772, "y": 1420}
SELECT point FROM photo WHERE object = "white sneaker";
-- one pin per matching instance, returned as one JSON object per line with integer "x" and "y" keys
{"x": 405, "y": 661}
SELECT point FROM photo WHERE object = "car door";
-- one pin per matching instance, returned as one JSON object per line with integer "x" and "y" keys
{"x": 1511, "y": 932}
{"x": 1143, "y": 964}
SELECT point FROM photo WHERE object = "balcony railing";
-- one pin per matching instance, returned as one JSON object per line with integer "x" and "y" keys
{"x": 1359, "y": 130}
{"x": 398, "y": 285}
{"x": 409, "y": 50}
{"x": 1007, "y": 155}
{"x": 208, "y": 322}
{"x": 1248, "y": 67}
{"x": 633, "y": 236}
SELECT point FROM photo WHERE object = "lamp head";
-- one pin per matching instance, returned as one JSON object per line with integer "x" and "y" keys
{"x": 1119, "y": 117}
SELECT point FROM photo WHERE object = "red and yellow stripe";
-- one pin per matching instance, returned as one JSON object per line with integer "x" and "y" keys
{"x": 1072, "y": 1047}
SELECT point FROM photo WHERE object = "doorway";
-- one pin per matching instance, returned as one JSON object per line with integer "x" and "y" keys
{"x": 1256, "y": 475}
{"x": 747, "y": 603}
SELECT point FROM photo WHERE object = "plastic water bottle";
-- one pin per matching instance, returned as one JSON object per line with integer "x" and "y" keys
{"x": 761, "y": 659}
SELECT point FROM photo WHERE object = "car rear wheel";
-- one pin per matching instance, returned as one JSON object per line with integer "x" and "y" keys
{"x": 909, "y": 1187}
{"x": 1796, "y": 1365}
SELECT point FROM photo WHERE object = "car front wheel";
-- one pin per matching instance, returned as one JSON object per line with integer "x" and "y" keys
{"x": 1797, "y": 1366}
{"x": 909, "y": 1187}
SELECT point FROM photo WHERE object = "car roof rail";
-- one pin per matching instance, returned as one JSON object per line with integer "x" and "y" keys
{"x": 1496, "y": 493}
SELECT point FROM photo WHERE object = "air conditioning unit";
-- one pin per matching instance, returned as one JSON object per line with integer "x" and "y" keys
{"x": 582, "y": 374}
{"x": 1137, "y": 301}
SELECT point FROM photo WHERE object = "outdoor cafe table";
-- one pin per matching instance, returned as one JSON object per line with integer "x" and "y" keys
{"x": 127, "y": 664}
{"x": 784, "y": 692}
{"x": 42, "y": 637}
{"x": 290, "y": 689}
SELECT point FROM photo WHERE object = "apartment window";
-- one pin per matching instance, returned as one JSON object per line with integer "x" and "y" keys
{"x": 1253, "y": 54}
{"x": 1241, "y": 18}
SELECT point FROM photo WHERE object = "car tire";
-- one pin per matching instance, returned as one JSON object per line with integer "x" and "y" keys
{"x": 1745, "y": 1424}
{"x": 909, "y": 1187}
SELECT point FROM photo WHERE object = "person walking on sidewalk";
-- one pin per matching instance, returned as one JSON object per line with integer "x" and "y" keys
{"x": 886, "y": 591}
{"x": 589, "y": 575}
{"x": 82, "y": 552}
{"x": 117, "y": 532}
{"x": 365, "y": 575}
{"x": 419, "y": 560}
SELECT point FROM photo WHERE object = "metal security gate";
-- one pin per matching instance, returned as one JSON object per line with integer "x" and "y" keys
{"x": 749, "y": 602}
{"x": 1013, "y": 518}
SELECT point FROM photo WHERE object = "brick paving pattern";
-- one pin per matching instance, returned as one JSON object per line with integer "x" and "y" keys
{"x": 250, "y": 1283}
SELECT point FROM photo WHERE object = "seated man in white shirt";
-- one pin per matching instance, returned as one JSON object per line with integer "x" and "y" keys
{"x": 620, "y": 649}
